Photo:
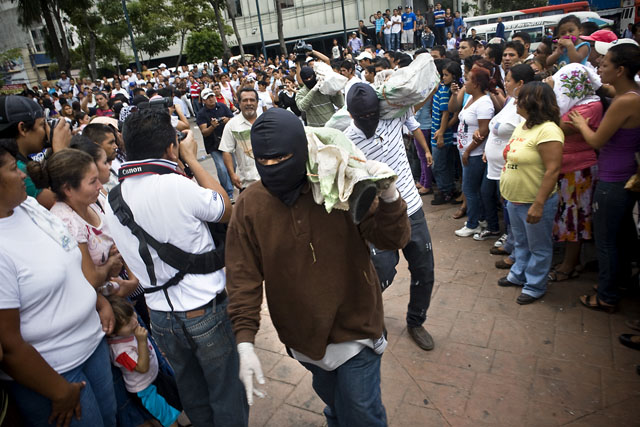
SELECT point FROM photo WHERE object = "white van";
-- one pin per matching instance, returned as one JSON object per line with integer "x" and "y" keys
{"x": 536, "y": 27}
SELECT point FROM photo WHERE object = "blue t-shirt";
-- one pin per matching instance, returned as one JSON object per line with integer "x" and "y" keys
{"x": 407, "y": 20}
{"x": 440, "y": 105}
{"x": 563, "y": 59}
{"x": 457, "y": 23}
{"x": 379, "y": 24}
{"x": 439, "y": 15}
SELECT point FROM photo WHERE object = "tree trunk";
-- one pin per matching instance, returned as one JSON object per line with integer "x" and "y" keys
{"x": 482, "y": 7}
{"x": 66, "y": 65}
{"x": 226, "y": 51}
{"x": 232, "y": 15}
{"x": 92, "y": 50}
{"x": 53, "y": 37}
{"x": 283, "y": 46}
{"x": 182, "y": 34}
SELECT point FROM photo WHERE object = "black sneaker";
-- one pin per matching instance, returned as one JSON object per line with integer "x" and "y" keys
{"x": 440, "y": 199}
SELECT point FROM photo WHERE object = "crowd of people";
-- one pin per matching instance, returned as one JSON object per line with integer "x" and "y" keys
{"x": 126, "y": 302}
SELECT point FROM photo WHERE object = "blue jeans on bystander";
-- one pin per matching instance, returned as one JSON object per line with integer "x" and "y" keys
{"x": 471, "y": 182}
{"x": 614, "y": 235}
{"x": 97, "y": 398}
{"x": 351, "y": 391}
{"x": 223, "y": 173}
{"x": 533, "y": 246}
{"x": 443, "y": 167}
{"x": 490, "y": 193}
{"x": 207, "y": 375}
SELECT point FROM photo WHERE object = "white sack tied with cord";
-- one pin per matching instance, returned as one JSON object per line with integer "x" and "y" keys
{"x": 330, "y": 81}
{"x": 401, "y": 89}
{"x": 336, "y": 165}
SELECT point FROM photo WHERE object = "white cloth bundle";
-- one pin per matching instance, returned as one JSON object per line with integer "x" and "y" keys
{"x": 330, "y": 81}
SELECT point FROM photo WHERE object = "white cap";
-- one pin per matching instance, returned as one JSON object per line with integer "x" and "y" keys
{"x": 496, "y": 40}
{"x": 162, "y": 65}
{"x": 602, "y": 48}
{"x": 272, "y": 66}
{"x": 309, "y": 59}
{"x": 128, "y": 70}
{"x": 206, "y": 93}
{"x": 364, "y": 55}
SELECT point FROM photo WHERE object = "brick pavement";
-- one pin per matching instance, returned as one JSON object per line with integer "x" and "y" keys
{"x": 495, "y": 363}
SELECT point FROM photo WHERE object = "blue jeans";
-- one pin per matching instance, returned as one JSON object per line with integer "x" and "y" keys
{"x": 395, "y": 41}
{"x": 387, "y": 42}
{"x": 196, "y": 106}
{"x": 97, "y": 399}
{"x": 351, "y": 391}
{"x": 614, "y": 233}
{"x": 419, "y": 256}
{"x": 223, "y": 173}
{"x": 427, "y": 41}
{"x": 471, "y": 182}
{"x": 533, "y": 246}
{"x": 490, "y": 193}
{"x": 443, "y": 167}
{"x": 207, "y": 375}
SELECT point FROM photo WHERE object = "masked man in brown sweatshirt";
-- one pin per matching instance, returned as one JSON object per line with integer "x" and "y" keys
{"x": 323, "y": 293}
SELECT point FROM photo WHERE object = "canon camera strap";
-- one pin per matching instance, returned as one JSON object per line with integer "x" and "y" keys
{"x": 184, "y": 262}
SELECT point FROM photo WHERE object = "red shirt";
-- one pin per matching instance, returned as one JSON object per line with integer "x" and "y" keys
{"x": 223, "y": 100}
{"x": 194, "y": 89}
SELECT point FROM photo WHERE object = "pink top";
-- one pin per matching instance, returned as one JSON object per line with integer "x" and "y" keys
{"x": 576, "y": 153}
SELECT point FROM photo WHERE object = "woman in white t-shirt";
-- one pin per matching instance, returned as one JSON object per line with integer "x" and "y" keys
{"x": 56, "y": 360}
{"x": 474, "y": 119}
{"x": 500, "y": 129}
{"x": 387, "y": 33}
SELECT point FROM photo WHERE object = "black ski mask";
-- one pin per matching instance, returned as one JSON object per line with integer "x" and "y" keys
{"x": 364, "y": 107}
{"x": 308, "y": 77}
{"x": 275, "y": 134}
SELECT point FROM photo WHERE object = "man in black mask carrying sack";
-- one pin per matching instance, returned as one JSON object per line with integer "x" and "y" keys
{"x": 381, "y": 140}
{"x": 323, "y": 293}
{"x": 318, "y": 107}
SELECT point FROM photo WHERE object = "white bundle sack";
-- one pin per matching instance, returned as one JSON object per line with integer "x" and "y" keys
{"x": 330, "y": 81}
{"x": 406, "y": 86}
{"x": 336, "y": 165}
{"x": 340, "y": 120}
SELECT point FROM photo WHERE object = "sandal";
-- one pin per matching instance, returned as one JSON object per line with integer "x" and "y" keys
{"x": 593, "y": 302}
{"x": 424, "y": 191}
{"x": 560, "y": 276}
{"x": 460, "y": 213}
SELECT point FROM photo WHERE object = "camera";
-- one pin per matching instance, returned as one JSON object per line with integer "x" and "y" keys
{"x": 161, "y": 103}
{"x": 52, "y": 126}
{"x": 181, "y": 135}
{"x": 301, "y": 49}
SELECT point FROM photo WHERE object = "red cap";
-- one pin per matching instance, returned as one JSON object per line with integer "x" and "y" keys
{"x": 601, "y": 36}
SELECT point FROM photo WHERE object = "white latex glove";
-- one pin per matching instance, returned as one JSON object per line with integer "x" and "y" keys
{"x": 391, "y": 194}
{"x": 250, "y": 366}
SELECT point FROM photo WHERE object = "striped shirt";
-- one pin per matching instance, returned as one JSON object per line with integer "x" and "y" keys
{"x": 387, "y": 146}
{"x": 440, "y": 105}
{"x": 439, "y": 15}
{"x": 194, "y": 90}
{"x": 318, "y": 107}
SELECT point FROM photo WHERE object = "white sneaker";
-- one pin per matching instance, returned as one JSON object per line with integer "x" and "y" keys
{"x": 483, "y": 224}
{"x": 500, "y": 242}
{"x": 485, "y": 234}
{"x": 467, "y": 232}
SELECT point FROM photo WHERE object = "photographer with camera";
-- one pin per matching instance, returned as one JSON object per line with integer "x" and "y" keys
{"x": 318, "y": 107}
{"x": 156, "y": 203}
{"x": 23, "y": 120}
{"x": 211, "y": 121}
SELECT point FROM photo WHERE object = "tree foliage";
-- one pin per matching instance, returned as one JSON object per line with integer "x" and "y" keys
{"x": 203, "y": 46}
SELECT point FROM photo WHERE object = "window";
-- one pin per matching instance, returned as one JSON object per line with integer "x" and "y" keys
{"x": 526, "y": 16}
{"x": 504, "y": 19}
{"x": 238, "y": 7}
{"x": 286, "y": 3}
{"x": 552, "y": 12}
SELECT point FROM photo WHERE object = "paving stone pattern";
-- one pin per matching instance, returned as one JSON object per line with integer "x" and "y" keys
{"x": 495, "y": 363}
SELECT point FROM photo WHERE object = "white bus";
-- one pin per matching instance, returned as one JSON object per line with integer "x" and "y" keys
{"x": 536, "y": 27}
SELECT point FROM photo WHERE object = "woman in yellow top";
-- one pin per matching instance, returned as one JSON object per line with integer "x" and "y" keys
{"x": 528, "y": 182}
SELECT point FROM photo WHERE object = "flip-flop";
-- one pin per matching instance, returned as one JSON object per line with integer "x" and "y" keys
{"x": 588, "y": 301}
{"x": 460, "y": 213}
{"x": 560, "y": 276}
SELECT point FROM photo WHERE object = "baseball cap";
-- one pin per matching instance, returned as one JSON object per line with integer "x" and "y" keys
{"x": 132, "y": 83}
{"x": 15, "y": 109}
{"x": 206, "y": 93}
{"x": 601, "y": 36}
{"x": 128, "y": 70}
{"x": 162, "y": 65}
{"x": 364, "y": 55}
{"x": 602, "y": 48}
{"x": 310, "y": 58}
